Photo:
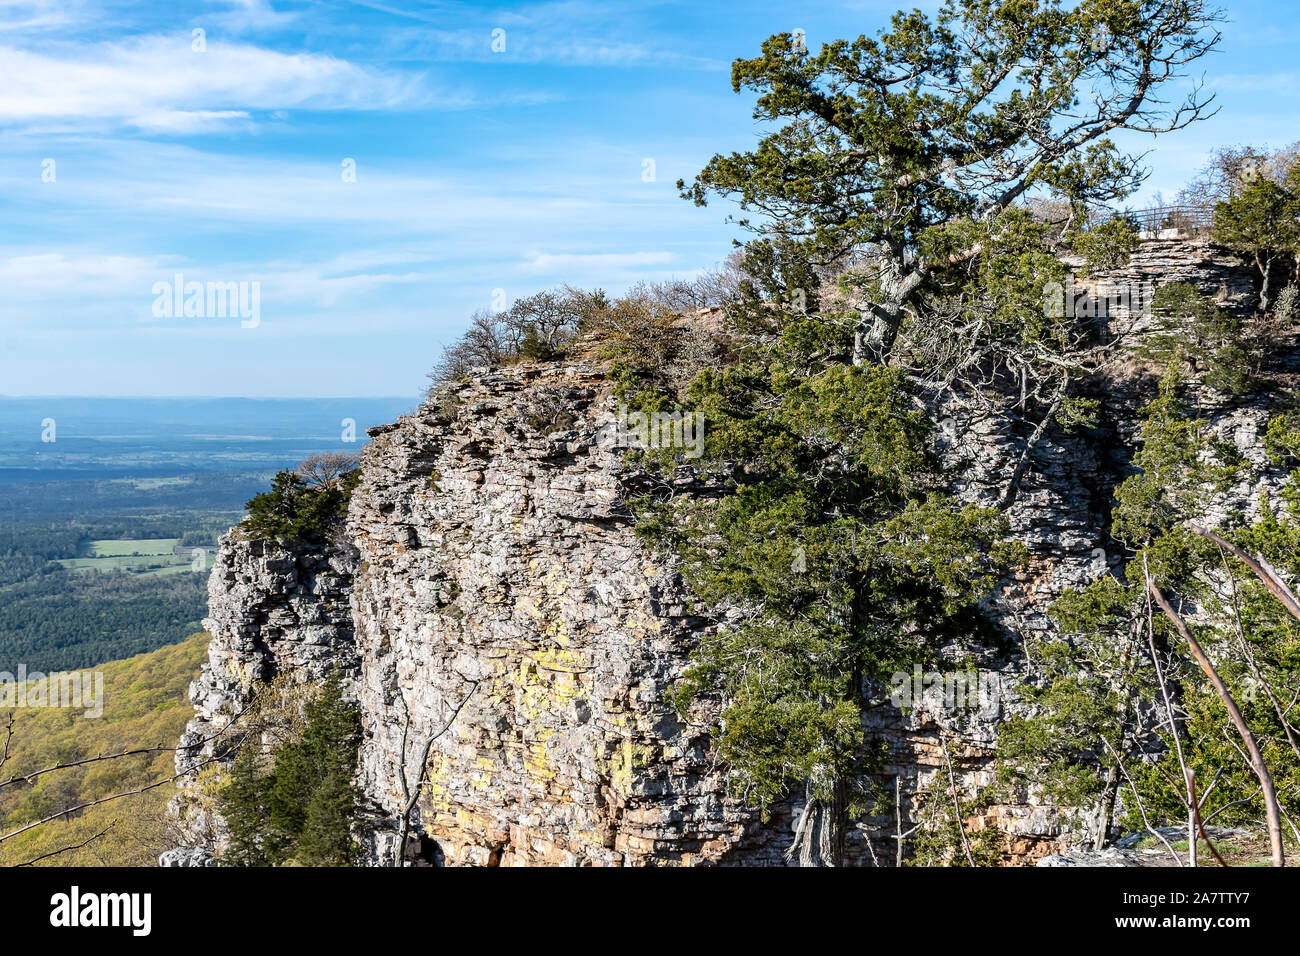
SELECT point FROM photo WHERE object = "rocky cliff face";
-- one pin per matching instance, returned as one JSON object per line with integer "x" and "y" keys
{"x": 500, "y": 616}
{"x": 271, "y": 611}
{"x": 500, "y": 582}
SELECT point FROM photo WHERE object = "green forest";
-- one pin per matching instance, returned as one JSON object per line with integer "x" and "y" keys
{"x": 73, "y": 595}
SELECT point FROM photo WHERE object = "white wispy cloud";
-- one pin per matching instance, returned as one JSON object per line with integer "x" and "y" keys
{"x": 188, "y": 122}
{"x": 170, "y": 184}
{"x": 48, "y": 275}
{"x": 88, "y": 279}
{"x": 244, "y": 15}
{"x": 552, "y": 262}
{"x": 159, "y": 81}
{"x": 27, "y": 16}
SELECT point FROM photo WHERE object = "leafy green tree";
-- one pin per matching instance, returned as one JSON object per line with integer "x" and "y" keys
{"x": 1108, "y": 245}
{"x": 1262, "y": 225}
{"x": 844, "y": 558}
{"x": 1091, "y": 684}
{"x": 886, "y": 142}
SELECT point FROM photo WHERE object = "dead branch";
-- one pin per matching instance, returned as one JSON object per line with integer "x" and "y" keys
{"x": 29, "y": 777}
{"x": 952, "y": 786}
{"x": 1250, "y": 657}
{"x": 409, "y": 798}
{"x": 84, "y": 843}
{"x": 94, "y": 803}
{"x": 9, "y": 736}
{"x": 1256, "y": 758}
{"x": 1262, "y": 570}
{"x": 1200, "y": 827}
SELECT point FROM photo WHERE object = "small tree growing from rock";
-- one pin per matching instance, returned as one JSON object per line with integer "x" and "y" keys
{"x": 1262, "y": 225}
{"x": 326, "y": 469}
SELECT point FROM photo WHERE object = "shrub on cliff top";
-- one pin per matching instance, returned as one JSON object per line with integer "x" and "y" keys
{"x": 538, "y": 328}
{"x": 295, "y": 511}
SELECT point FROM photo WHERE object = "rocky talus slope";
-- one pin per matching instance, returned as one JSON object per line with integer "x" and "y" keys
{"x": 497, "y": 611}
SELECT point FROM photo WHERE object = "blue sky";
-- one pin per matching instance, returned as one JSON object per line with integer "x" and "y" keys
{"x": 476, "y": 171}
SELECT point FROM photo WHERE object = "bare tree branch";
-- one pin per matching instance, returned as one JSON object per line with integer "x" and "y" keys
{"x": 409, "y": 797}
{"x": 956, "y": 804}
{"x": 1256, "y": 758}
{"x": 67, "y": 849}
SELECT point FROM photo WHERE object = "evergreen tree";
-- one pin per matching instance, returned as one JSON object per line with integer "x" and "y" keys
{"x": 836, "y": 543}
{"x": 886, "y": 142}
{"x": 845, "y": 560}
{"x": 327, "y": 838}
{"x": 1192, "y": 328}
{"x": 243, "y": 804}
{"x": 304, "y": 809}
{"x": 291, "y": 784}
{"x": 1120, "y": 698}
{"x": 1262, "y": 225}
{"x": 293, "y": 511}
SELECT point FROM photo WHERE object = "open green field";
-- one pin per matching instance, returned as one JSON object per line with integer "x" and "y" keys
{"x": 138, "y": 555}
{"x": 107, "y": 548}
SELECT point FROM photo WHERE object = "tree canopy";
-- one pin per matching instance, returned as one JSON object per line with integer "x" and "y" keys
{"x": 884, "y": 143}
{"x": 892, "y": 194}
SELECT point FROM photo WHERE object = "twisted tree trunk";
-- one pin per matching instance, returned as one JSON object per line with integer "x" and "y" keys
{"x": 1106, "y": 809}
{"x": 875, "y": 335}
{"x": 819, "y": 834}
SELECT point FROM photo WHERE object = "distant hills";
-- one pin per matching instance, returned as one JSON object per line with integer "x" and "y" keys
{"x": 44, "y": 439}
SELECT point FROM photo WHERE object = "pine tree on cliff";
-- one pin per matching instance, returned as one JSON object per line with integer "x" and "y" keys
{"x": 304, "y": 809}
{"x": 294, "y": 510}
{"x": 902, "y": 163}
{"x": 242, "y": 803}
{"x": 327, "y": 828}
{"x": 331, "y": 741}
{"x": 313, "y": 803}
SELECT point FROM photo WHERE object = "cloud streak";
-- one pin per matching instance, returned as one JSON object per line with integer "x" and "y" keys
{"x": 160, "y": 82}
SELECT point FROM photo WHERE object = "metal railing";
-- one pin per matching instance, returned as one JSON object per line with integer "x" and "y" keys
{"x": 1193, "y": 219}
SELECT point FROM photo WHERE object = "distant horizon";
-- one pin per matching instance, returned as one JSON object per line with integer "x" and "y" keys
{"x": 250, "y": 398}
{"x": 48, "y": 438}
{"x": 362, "y": 198}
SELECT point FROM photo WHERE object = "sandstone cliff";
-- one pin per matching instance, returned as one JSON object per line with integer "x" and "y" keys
{"x": 271, "y": 611}
{"x": 496, "y": 609}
